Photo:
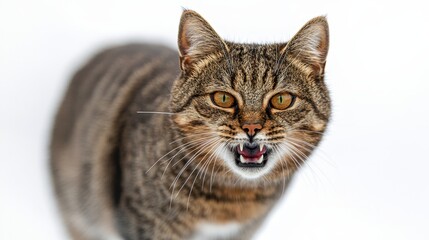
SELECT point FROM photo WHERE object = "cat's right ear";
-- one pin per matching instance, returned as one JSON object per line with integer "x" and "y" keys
{"x": 309, "y": 47}
{"x": 197, "y": 40}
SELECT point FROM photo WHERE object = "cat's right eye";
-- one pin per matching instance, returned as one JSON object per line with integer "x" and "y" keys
{"x": 223, "y": 99}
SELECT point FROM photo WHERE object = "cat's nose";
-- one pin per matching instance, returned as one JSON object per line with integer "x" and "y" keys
{"x": 252, "y": 128}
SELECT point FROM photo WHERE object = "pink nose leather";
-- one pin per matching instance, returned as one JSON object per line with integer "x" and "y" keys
{"x": 251, "y": 128}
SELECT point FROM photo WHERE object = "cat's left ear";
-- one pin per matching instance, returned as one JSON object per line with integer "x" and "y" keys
{"x": 197, "y": 39}
{"x": 310, "y": 46}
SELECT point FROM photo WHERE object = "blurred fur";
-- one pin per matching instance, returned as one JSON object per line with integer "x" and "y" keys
{"x": 123, "y": 175}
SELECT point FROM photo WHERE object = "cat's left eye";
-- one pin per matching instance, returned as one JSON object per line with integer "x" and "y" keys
{"x": 223, "y": 99}
{"x": 282, "y": 101}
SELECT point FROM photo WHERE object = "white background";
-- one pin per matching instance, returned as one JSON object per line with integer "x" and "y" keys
{"x": 368, "y": 181}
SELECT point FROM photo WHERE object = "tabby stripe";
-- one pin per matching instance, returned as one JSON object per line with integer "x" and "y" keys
{"x": 255, "y": 69}
{"x": 188, "y": 102}
{"x": 87, "y": 167}
{"x": 202, "y": 114}
{"x": 233, "y": 80}
{"x": 315, "y": 108}
{"x": 275, "y": 132}
{"x": 201, "y": 64}
{"x": 196, "y": 123}
{"x": 275, "y": 138}
{"x": 265, "y": 75}
{"x": 244, "y": 79}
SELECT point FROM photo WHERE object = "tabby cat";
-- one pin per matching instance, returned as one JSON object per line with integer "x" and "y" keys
{"x": 151, "y": 144}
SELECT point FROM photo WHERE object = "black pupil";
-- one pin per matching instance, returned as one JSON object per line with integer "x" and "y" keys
{"x": 224, "y": 98}
{"x": 280, "y": 99}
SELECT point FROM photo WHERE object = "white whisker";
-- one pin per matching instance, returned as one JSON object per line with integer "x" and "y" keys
{"x": 302, "y": 157}
{"x": 192, "y": 144}
{"x": 318, "y": 152}
{"x": 199, "y": 171}
{"x": 151, "y": 112}
{"x": 199, "y": 148}
{"x": 211, "y": 158}
{"x": 216, "y": 141}
{"x": 190, "y": 135}
{"x": 275, "y": 148}
{"x": 183, "y": 146}
{"x": 214, "y": 173}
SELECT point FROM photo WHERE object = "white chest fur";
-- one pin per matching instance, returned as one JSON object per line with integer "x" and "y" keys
{"x": 208, "y": 231}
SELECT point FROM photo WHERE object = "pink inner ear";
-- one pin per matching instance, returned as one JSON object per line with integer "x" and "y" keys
{"x": 184, "y": 46}
{"x": 183, "y": 41}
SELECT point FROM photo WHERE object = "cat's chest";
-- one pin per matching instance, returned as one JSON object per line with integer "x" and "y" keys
{"x": 208, "y": 231}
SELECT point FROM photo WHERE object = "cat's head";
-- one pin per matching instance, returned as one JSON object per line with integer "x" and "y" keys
{"x": 250, "y": 110}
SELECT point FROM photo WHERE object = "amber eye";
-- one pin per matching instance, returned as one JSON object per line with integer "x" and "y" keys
{"x": 282, "y": 101}
{"x": 223, "y": 99}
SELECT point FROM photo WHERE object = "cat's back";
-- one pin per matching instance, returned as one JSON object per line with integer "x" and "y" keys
{"x": 124, "y": 68}
{"x": 84, "y": 141}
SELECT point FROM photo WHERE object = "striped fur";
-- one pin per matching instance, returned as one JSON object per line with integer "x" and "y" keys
{"x": 123, "y": 175}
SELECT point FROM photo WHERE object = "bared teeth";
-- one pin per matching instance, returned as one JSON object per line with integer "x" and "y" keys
{"x": 261, "y": 146}
{"x": 260, "y": 160}
{"x": 241, "y": 146}
{"x": 242, "y": 159}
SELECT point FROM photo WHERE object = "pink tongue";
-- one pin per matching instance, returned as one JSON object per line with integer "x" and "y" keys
{"x": 248, "y": 154}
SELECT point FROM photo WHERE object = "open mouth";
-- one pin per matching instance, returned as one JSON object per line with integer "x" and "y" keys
{"x": 251, "y": 155}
